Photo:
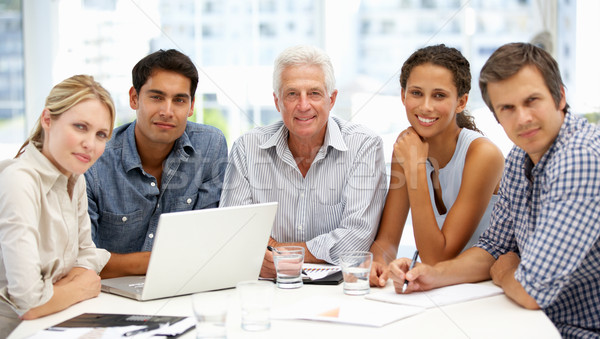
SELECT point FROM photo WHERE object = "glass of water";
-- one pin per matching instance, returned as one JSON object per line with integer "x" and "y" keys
{"x": 210, "y": 309}
{"x": 288, "y": 262}
{"x": 356, "y": 266}
{"x": 256, "y": 299}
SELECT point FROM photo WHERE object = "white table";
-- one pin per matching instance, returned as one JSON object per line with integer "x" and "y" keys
{"x": 492, "y": 317}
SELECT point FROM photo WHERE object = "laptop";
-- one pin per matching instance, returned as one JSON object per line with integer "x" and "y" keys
{"x": 201, "y": 250}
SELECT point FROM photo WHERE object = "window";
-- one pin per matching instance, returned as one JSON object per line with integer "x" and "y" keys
{"x": 12, "y": 105}
{"x": 233, "y": 43}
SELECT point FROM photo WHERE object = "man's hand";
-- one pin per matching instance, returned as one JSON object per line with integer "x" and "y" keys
{"x": 506, "y": 264}
{"x": 268, "y": 267}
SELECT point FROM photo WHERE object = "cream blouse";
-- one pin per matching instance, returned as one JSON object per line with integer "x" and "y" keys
{"x": 44, "y": 231}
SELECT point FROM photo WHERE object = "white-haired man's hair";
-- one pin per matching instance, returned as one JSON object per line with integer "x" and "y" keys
{"x": 303, "y": 55}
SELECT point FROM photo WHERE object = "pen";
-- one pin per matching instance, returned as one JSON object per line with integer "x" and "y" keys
{"x": 412, "y": 264}
{"x": 149, "y": 327}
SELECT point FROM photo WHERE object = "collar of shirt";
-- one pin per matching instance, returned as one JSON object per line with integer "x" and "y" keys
{"x": 49, "y": 174}
{"x": 131, "y": 158}
{"x": 333, "y": 138}
{"x": 569, "y": 124}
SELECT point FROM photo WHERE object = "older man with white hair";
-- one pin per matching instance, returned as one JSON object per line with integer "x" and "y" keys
{"x": 327, "y": 174}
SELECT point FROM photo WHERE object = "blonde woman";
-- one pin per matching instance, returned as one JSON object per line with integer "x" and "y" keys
{"x": 47, "y": 258}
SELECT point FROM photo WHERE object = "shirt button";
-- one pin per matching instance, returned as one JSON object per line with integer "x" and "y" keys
{"x": 153, "y": 184}
{"x": 124, "y": 219}
{"x": 301, "y": 195}
{"x": 300, "y": 227}
{"x": 150, "y": 235}
{"x": 189, "y": 201}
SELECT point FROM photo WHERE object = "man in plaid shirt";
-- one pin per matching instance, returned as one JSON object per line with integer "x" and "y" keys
{"x": 543, "y": 245}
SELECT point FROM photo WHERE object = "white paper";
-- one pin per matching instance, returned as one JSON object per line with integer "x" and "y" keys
{"x": 439, "y": 296}
{"x": 349, "y": 311}
{"x": 178, "y": 327}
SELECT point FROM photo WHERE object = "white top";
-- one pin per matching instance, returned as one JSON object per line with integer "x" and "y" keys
{"x": 450, "y": 180}
{"x": 44, "y": 232}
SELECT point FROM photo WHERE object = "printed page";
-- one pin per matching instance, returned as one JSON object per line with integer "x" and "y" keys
{"x": 439, "y": 296}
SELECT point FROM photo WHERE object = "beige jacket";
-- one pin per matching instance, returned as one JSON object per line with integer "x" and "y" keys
{"x": 44, "y": 231}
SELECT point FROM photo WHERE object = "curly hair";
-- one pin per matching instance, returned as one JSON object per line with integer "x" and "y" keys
{"x": 451, "y": 59}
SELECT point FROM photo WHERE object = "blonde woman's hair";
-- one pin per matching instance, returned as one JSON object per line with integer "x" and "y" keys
{"x": 67, "y": 94}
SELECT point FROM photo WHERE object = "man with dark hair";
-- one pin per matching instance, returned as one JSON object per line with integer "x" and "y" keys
{"x": 156, "y": 164}
{"x": 543, "y": 244}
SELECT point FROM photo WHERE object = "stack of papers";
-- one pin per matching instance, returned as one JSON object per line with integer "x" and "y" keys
{"x": 319, "y": 271}
{"x": 439, "y": 296}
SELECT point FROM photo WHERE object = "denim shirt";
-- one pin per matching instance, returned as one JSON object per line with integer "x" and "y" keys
{"x": 125, "y": 202}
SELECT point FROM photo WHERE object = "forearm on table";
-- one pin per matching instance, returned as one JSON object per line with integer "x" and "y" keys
{"x": 126, "y": 264}
{"x": 62, "y": 298}
{"x": 473, "y": 265}
{"x": 515, "y": 291}
{"x": 78, "y": 285}
{"x": 308, "y": 256}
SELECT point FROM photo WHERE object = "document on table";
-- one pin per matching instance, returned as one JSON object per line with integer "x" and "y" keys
{"x": 440, "y": 296}
{"x": 319, "y": 271}
{"x": 104, "y": 325}
{"x": 348, "y": 311}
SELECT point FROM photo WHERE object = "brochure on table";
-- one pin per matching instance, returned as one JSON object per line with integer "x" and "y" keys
{"x": 355, "y": 311}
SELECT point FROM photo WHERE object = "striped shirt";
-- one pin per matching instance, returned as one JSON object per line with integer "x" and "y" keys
{"x": 335, "y": 208}
{"x": 550, "y": 215}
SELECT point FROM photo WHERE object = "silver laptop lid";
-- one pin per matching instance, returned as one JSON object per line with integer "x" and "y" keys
{"x": 204, "y": 250}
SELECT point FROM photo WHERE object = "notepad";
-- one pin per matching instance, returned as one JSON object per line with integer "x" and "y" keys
{"x": 348, "y": 311}
{"x": 322, "y": 274}
{"x": 439, "y": 296}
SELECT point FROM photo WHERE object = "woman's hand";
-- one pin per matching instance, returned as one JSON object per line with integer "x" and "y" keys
{"x": 410, "y": 150}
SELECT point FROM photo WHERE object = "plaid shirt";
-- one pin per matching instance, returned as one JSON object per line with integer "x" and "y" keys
{"x": 550, "y": 215}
